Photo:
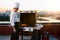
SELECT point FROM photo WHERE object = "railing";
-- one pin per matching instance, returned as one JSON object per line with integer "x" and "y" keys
{"x": 4, "y": 23}
{"x": 57, "y": 21}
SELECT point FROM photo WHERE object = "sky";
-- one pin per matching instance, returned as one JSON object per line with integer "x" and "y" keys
{"x": 53, "y": 5}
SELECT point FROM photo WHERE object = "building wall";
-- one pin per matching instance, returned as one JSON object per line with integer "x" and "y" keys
{"x": 53, "y": 29}
{"x": 5, "y": 30}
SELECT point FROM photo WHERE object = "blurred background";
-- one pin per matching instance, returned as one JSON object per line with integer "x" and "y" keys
{"x": 47, "y": 12}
